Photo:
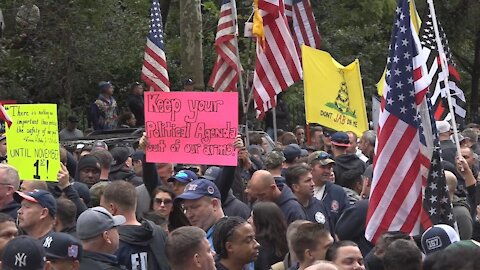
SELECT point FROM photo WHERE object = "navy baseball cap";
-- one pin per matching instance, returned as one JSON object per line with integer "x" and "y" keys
{"x": 183, "y": 176}
{"x": 42, "y": 197}
{"x": 23, "y": 253}
{"x": 340, "y": 139}
{"x": 292, "y": 151}
{"x": 62, "y": 246}
{"x": 198, "y": 189}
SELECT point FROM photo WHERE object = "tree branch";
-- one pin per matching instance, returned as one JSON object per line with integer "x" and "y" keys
{"x": 467, "y": 65}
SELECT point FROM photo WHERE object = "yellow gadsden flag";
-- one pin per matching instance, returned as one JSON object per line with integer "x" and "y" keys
{"x": 333, "y": 93}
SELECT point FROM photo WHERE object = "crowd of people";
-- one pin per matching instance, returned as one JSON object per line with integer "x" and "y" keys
{"x": 302, "y": 205}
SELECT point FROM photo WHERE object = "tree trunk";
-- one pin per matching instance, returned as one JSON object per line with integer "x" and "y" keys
{"x": 474, "y": 104}
{"x": 165, "y": 8}
{"x": 191, "y": 35}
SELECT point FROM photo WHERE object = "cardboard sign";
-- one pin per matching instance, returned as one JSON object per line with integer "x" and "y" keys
{"x": 32, "y": 141}
{"x": 191, "y": 127}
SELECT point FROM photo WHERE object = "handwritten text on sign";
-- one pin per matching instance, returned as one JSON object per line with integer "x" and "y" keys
{"x": 191, "y": 127}
{"x": 32, "y": 141}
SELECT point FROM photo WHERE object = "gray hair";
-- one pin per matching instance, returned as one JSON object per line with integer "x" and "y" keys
{"x": 370, "y": 137}
{"x": 10, "y": 175}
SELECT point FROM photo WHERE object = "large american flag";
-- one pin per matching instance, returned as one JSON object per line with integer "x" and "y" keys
{"x": 439, "y": 95}
{"x": 277, "y": 64}
{"x": 304, "y": 27}
{"x": 154, "y": 70}
{"x": 403, "y": 152}
{"x": 227, "y": 67}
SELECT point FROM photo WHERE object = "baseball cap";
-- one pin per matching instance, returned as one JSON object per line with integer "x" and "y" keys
{"x": 188, "y": 81}
{"x": 100, "y": 145}
{"x": 138, "y": 155}
{"x": 3, "y": 136}
{"x": 104, "y": 85}
{"x": 274, "y": 159}
{"x": 62, "y": 246}
{"x": 120, "y": 154}
{"x": 72, "y": 119}
{"x": 184, "y": 176}
{"x": 199, "y": 188}
{"x": 443, "y": 126}
{"x": 292, "y": 151}
{"x": 340, "y": 139}
{"x": 323, "y": 157}
{"x": 23, "y": 253}
{"x": 212, "y": 172}
{"x": 94, "y": 221}
{"x": 42, "y": 197}
{"x": 438, "y": 237}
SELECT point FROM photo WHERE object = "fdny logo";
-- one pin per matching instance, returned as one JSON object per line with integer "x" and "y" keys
{"x": 334, "y": 206}
{"x": 319, "y": 218}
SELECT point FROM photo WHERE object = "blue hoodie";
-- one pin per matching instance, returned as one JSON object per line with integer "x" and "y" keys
{"x": 289, "y": 205}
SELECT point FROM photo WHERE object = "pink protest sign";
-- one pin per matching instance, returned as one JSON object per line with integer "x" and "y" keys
{"x": 191, "y": 127}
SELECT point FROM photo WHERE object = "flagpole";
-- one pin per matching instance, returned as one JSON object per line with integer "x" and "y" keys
{"x": 274, "y": 115}
{"x": 240, "y": 76}
{"x": 444, "y": 65}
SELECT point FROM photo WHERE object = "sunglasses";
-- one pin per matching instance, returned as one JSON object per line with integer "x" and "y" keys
{"x": 322, "y": 156}
{"x": 164, "y": 201}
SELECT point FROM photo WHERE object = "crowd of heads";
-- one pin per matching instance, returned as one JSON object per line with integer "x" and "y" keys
{"x": 297, "y": 203}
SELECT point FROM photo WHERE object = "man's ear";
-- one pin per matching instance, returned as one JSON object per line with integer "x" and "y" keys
{"x": 196, "y": 259}
{"x": 106, "y": 237}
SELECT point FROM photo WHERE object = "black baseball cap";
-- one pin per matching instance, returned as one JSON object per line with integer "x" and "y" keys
{"x": 23, "y": 253}
{"x": 62, "y": 246}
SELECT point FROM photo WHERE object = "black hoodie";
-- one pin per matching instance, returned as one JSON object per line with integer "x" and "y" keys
{"x": 347, "y": 162}
{"x": 142, "y": 247}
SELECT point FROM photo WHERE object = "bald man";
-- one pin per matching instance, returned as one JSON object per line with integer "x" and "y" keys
{"x": 262, "y": 186}
{"x": 322, "y": 265}
{"x": 461, "y": 208}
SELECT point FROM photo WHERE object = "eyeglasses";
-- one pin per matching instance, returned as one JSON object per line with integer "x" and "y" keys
{"x": 164, "y": 201}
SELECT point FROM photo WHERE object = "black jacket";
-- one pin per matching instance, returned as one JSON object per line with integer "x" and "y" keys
{"x": 98, "y": 261}
{"x": 351, "y": 226}
{"x": 289, "y": 205}
{"x": 142, "y": 246}
{"x": 11, "y": 209}
{"x": 234, "y": 207}
{"x": 127, "y": 175}
{"x": 347, "y": 162}
{"x": 135, "y": 104}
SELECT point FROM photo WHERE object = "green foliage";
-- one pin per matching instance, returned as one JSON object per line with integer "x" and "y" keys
{"x": 82, "y": 42}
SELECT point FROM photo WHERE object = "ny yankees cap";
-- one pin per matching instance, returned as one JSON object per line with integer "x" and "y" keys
{"x": 62, "y": 246}
{"x": 23, "y": 253}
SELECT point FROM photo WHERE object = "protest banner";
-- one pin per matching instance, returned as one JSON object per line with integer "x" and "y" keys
{"x": 32, "y": 141}
{"x": 191, "y": 127}
{"x": 333, "y": 93}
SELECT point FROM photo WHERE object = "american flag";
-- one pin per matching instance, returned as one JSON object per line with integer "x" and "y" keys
{"x": 277, "y": 64}
{"x": 436, "y": 203}
{"x": 305, "y": 30}
{"x": 439, "y": 91}
{"x": 4, "y": 116}
{"x": 403, "y": 152}
{"x": 227, "y": 67}
{"x": 289, "y": 9}
{"x": 154, "y": 70}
